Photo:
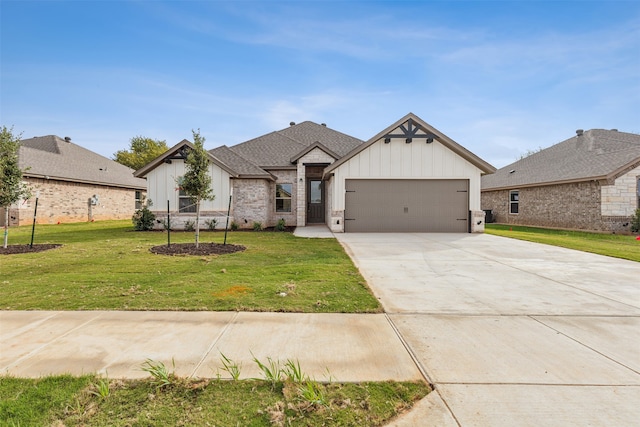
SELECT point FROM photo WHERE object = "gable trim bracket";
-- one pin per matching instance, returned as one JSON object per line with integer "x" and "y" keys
{"x": 410, "y": 132}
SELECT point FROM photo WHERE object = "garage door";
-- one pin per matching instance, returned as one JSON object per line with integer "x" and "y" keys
{"x": 407, "y": 205}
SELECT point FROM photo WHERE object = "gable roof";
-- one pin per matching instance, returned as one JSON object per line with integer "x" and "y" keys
{"x": 416, "y": 124}
{"x": 176, "y": 152}
{"x": 312, "y": 147}
{"x": 275, "y": 149}
{"x": 52, "y": 157}
{"x": 597, "y": 154}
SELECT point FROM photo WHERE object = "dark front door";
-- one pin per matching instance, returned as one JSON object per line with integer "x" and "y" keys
{"x": 315, "y": 201}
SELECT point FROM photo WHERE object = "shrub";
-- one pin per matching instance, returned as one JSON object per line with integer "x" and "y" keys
{"x": 143, "y": 219}
{"x": 257, "y": 226}
{"x": 281, "y": 225}
{"x": 189, "y": 225}
{"x": 234, "y": 226}
{"x": 211, "y": 224}
{"x": 635, "y": 221}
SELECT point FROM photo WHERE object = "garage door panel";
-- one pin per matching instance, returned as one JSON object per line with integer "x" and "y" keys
{"x": 406, "y": 205}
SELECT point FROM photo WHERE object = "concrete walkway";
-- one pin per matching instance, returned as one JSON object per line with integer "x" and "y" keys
{"x": 510, "y": 333}
{"x": 316, "y": 231}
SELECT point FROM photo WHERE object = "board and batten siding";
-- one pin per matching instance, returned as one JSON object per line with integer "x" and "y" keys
{"x": 162, "y": 186}
{"x": 399, "y": 160}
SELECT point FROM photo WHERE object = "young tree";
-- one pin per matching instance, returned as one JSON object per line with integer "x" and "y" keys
{"x": 12, "y": 188}
{"x": 142, "y": 151}
{"x": 196, "y": 182}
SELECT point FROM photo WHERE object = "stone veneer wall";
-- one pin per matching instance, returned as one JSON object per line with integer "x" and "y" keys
{"x": 621, "y": 198}
{"x": 571, "y": 206}
{"x": 252, "y": 202}
{"x": 62, "y": 201}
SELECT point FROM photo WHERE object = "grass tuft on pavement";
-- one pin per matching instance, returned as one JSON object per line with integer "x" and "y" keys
{"x": 69, "y": 401}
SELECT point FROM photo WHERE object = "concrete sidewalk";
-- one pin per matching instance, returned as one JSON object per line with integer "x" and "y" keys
{"x": 351, "y": 347}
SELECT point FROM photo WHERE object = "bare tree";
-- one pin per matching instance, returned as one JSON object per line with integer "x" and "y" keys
{"x": 12, "y": 188}
{"x": 196, "y": 182}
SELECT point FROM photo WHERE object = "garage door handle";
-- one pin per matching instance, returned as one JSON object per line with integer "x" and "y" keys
{"x": 349, "y": 219}
{"x": 461, "y": 219}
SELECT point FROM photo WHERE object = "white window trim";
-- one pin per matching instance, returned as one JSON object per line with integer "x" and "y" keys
{"x": 511, "y": 202}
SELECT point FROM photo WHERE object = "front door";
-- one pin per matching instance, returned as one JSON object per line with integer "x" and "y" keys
{"x": 315, "y": 201}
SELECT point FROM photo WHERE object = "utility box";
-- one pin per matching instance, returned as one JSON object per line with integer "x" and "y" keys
{"x": 488, "y": 216}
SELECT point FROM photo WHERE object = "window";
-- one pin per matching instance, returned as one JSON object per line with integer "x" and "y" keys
{"x": 283, "y": 197}
{"x": 638, "y": 192}
{"x": 315, "y": 191}
{"x": 185, "y": 204}
{"x": 138, "y": 199}
{"x": 514, "y": 201}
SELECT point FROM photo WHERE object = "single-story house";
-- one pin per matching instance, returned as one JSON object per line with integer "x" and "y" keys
{"x": 409, "y": 177}
{"x": 73, "y": 184}
{"x": 589, "y": 182}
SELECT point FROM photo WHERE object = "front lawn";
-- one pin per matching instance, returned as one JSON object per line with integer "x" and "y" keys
{"x": 614, "y": 245}
{"x": 108, "y": 266}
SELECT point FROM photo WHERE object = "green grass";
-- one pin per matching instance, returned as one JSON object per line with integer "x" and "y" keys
{"x": 69, "y": 401}
{"x": 614, "y": 245}
{"x": 106, "y": 265}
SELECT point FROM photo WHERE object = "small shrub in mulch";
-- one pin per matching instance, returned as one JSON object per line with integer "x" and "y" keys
{"x": 26, "y": 249}
{"x": 203, "y": 249}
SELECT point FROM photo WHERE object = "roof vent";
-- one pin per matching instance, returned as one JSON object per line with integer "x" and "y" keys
{"x": 292, "y": 123}
{"x": 67, "y": 138}
{"x": 614, "y": 130}
{"x": 579, "y": 132}
{"x": 324, "y": 124}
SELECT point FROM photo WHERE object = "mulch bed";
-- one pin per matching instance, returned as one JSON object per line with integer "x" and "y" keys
{"x": 203, "y": 249}
{"x": 26, "y": 249}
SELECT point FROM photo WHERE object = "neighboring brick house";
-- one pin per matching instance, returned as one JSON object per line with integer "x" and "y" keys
{"x": 409, "y": 177}
{"x": 588, "y": 182}
{"x": 73, "y": 184}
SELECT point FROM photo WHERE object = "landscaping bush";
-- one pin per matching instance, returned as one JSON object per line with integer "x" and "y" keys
{"x": 281, "y": 225}
{"x": 143, "y": 219}
{"x": 189, "y": 225}
{"x": 635, "y": 221}
{"x": 211, "y": 224}
{"x": 234, "y": 226}
{"x": 257, "y": 226}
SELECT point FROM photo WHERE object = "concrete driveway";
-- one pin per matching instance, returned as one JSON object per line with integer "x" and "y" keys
{"x": 510, "y": 333}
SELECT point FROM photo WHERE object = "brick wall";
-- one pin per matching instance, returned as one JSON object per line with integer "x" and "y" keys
{"x": 571, "y": 206}
{"x": 61, "y": 201}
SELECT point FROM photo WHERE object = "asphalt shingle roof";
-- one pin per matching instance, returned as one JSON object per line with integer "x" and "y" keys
{"x": 58, "y": 159}
{"x": 275, "y": 149}
{"x": 596, "y": 154}
{"x": 237, "y": 163}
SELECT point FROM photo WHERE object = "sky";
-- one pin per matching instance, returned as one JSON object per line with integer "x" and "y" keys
{"x": 499, "y": 77}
